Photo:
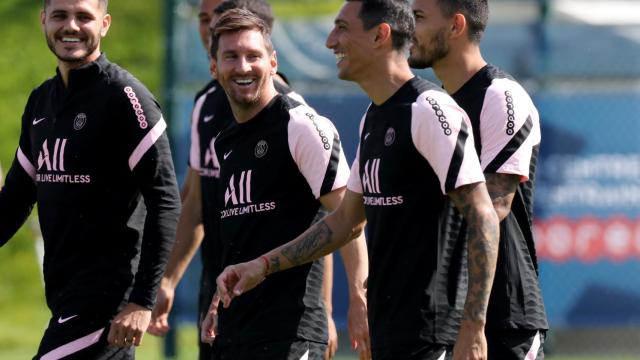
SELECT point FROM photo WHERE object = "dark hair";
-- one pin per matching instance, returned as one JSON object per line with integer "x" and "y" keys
{"x": 259, "y": 7}
{"x": 396, "y": 13}
{"x": 236, "y": 20}
{"x": 105, "y": 3}
{"x": 475, "y": 11}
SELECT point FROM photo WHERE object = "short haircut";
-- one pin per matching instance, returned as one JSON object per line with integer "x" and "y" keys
{"x": 396, "y": 13}
{"x": 259, "y": 7}
{"x": 236, "y": 20}
{"x": 475, "y": 11}
{"x": 104, "y": 3}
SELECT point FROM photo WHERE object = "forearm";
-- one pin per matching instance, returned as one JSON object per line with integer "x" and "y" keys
{"x": 321, "y": 239}
{"x": 482, "y": 257}
{"x": 188, "y": 239}
{"x": 17, "y": 198}
{"x": 356, "y": 264}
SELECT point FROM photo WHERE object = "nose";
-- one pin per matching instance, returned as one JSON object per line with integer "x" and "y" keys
{"x": 72, "y": 24}
{"x": 243, "y": 65}
{"x": 331, "y": 40}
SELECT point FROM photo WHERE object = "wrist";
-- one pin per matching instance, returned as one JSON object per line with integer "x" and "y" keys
{"x": 264, "y": 262}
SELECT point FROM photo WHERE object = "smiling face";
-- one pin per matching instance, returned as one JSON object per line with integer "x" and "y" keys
{"x": 244, "y": 66}
{"x": 351, "y": 43}
{"x": 431, "y": 37}
{"x": 74, "y": 28}
{"x": 205, "y": 16}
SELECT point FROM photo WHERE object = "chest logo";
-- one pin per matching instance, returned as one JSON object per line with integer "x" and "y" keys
{"x": 239, "y": 193}
{"x": 390, "y": 137}
{"x": 37, "y": 121}
{"x": 370, "y": 176}
{"x": 79, "y": 121}
{"x": 261, "y": 149}
{"x": 55, "y": 162}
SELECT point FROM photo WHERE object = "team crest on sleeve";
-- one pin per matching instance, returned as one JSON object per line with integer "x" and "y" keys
{"x": 511, "y": 120}
{"x": 261, "y": 149}
{"x": 79, "y": 121}
{"x": 440, "y": 114}
{"x": 137, "y": 108}
{"x": 390, "y": 137}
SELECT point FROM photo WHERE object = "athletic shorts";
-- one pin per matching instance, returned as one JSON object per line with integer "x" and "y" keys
{"x": 515, "y": 344}
{"x": 278, "y": 350}
{"x": 80, "y": 336}
{"x": 415, "y": 352}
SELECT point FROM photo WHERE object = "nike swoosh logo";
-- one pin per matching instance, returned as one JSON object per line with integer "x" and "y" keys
{"x": 366, "y": 135}
{"x": 226, "y": 155}
{"x": 208, "y": 118}
{"x": 35, "y": 122}
{"x": 62, "y": 320}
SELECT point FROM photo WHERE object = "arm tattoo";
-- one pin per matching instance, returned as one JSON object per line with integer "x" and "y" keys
{"x": 482, "y": 238}
{"x": 502, "y": 189}
{"x": 313, "y": 240}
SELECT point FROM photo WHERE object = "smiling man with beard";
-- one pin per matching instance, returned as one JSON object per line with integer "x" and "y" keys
{"x": 108, "y": 220}
{"x": 506, "y": 131}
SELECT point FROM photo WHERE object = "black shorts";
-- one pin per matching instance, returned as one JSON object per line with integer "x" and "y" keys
{"x": 278, "y": 350}
{"x": 80, "y": 336}
{"x": 414, "y": 352}
{"x": 515, "y": 344}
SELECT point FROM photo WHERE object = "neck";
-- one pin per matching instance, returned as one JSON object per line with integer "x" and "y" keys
{"x": 385, "y": 79}
{"x": 65, "y": 67}
{"x": 458, "y": 67}
{"x": 244, "y": 113}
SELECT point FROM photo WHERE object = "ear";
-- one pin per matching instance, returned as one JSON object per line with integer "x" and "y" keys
{"x": 383, "y": 34}
{"x": 43, "y": 17}
{"x": 213, "y": 67}
{"x": 274, "y": 63}
{"x": 106, "y": 23}
{"x": 458, "y": 25}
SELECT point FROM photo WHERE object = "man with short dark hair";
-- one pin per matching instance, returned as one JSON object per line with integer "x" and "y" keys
{"x": 506, "y": 131}
{"x": 279, "y": 162}
{"x": 210, "y": 116}
{"x": 428, "y": 288}
{"x": 94, "y": 154}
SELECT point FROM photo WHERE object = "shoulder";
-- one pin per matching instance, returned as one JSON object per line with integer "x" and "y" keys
{"x": 207, "y": 89}
{"x": 305, "y": 121}
{"x": 123, "y": 84}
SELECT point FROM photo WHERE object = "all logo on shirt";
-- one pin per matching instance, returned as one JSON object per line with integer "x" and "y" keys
{"x": 51, "y": 165}
{"x": 210, "y": 167}
{"x": 371, "y": 185}
{"x": 238, "y": 199}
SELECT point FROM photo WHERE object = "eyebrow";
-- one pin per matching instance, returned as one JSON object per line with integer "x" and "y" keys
{"x": 340, "y": 22}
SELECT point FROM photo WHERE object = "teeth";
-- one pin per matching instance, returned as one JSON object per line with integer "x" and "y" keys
{"x": 339, "y": 57}
{"x": 244, "y": 81}
{"x": 68, "y": 39}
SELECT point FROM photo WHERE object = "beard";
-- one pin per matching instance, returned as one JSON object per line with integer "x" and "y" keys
{"x": 91, "y": 47}
{"x": 423, "y": 58}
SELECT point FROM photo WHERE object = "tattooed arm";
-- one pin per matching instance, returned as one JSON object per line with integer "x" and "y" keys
{"x": 338, "y": 228}
{"x": 475, "y": 205}
{"x": 502, "y": 189}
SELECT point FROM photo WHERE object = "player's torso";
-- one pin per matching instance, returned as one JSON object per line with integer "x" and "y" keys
{"x": 405, "y": 210}
{"x": 516, "y": 300}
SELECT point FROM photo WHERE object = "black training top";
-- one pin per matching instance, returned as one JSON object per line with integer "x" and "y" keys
{"x": 414, "y": 148}
{"x": 274, "y": 168}
{"x": 506, "y": 130}
{"x": 93, "y": 156}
